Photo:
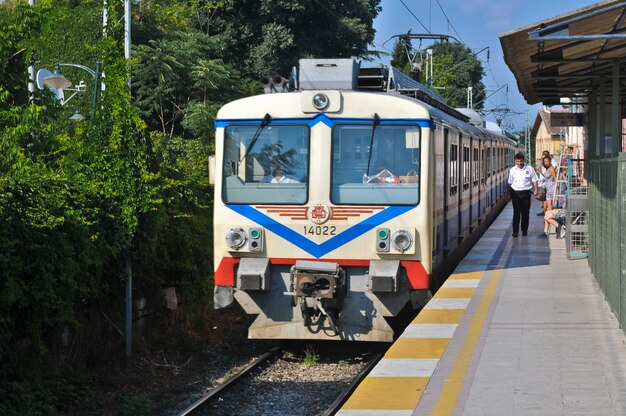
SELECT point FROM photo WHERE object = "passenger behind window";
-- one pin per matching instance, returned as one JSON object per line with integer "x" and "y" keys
{"x": 384, "y": 175}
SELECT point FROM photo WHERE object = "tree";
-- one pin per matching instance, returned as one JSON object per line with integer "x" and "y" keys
{"x": 71, "y": 197}
{"x": 180, "y": 75}
{"x": 266, "y": 37}
{"x": 455, "y": 68}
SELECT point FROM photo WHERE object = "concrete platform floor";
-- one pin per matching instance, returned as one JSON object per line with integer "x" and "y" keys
{"x": 536, "y": 337}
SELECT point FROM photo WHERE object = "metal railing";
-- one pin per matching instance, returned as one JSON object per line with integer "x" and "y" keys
{"x": 607, "y": 237}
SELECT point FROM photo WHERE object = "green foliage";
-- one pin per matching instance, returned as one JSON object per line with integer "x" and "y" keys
{"x": 454, "y": 69}
{"x": 70, "y": 204}
{"x": 137, "y": 405}
{"x": 62, "y": 393}
{"x": 174, "y": 244}
{"x": 182, "y": 74}
{"x": 265, "y": 37}
{"x": 311, "y": 357}
{"x": 76, "y": 198}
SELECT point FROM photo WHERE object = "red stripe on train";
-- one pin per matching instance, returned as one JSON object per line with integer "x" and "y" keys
{"x": 418, "y": 278}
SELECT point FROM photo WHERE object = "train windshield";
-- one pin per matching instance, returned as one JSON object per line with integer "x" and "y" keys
{"x": 266, "y": 164}
{"x": 376, "y": 165}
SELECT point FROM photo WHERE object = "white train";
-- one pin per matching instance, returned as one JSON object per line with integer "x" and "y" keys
{"x": 344, "y": 199}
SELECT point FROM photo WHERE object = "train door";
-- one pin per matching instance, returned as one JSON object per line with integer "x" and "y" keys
{"x": 494, "y": 177}
{"x": 500, "y": 170}
{"x": 475, "y": 194}
{"x": 446, "y": 188}
{"x": 464, "y": 195}
{"x": 439, "y": 192}
{"x": 496, "y": 158}
{"x": 483, "y": 178}
{"x": 452, "y": 203}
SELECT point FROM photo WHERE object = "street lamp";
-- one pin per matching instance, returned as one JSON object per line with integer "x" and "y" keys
{"x": 77, "y": 116}
{"x": 58, "y": 81}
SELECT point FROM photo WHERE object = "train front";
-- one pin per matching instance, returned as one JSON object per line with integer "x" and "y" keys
{"x": 321, "y": 226}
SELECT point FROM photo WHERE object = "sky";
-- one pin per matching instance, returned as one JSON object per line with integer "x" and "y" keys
{"x": 478, "y": 24}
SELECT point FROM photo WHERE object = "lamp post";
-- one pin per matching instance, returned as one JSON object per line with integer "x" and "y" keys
{"x": 58, "y": 81}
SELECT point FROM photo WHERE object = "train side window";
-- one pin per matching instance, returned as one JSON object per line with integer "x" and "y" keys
{"x": 475, "y": 166}
{"x": 484, "y": 161}
{"x": 454, "y": 166}
{"x": 466, "y": 167}
{"x": 494, "y": 160}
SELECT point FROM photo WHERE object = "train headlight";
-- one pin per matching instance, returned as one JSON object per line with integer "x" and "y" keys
{"x": 401, "y": 241}
{"x": 236, "y": 238}
{"x": 320, "y": 101}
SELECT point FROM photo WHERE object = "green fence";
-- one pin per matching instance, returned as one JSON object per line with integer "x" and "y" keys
{"x": 607, "y": 236}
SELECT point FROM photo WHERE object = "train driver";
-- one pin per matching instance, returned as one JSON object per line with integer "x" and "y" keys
{"x": 278, "y": 174}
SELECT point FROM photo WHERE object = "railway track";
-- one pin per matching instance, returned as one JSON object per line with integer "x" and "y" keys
{"x": 279, "y": 380}
{"x": 201, "y": 403}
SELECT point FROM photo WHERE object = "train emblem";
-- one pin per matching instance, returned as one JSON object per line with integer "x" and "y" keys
{"x": 319, "y": 213}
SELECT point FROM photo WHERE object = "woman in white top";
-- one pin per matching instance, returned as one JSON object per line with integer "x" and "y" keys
{"x": 549, "y": 174}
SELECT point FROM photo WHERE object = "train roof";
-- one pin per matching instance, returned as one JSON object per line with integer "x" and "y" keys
{"x": 347, "y": 77}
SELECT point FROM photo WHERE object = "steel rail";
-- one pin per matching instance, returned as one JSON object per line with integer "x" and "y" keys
{"x": 205, "y": 399}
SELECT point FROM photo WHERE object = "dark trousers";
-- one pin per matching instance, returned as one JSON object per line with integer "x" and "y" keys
{"x": 521, "y": 206}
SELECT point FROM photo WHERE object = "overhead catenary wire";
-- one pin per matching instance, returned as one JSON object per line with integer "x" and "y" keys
{"x": 450, "y": 22}
{"x": 415, "y": 17}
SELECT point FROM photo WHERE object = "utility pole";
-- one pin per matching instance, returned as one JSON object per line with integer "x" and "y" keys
{"x": 128, "y": 257}
{"x": 429, "y": 67}
{"x": 31, "y": 71}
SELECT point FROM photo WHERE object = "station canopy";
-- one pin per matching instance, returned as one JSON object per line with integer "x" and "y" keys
{"x": 566, "y": 55}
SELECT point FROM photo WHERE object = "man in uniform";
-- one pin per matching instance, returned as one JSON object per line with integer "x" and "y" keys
{"x": 522, "y": 179}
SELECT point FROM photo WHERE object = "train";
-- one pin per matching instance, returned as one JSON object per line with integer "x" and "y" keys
{"x": 345, "y": 195}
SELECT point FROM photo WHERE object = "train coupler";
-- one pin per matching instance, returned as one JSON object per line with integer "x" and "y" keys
{"x": 319, "y": 288}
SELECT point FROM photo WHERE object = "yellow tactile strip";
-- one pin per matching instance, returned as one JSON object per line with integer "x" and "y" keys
{"x": 450, "y": 392}
{"x": 396, "y": 384}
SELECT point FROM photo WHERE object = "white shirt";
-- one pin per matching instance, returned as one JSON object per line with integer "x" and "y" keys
{"x": 522, "y": 179}
{"x": 554, "y": 163}
{"x": 542, "y": 179}
{"x": 283, "y": 179}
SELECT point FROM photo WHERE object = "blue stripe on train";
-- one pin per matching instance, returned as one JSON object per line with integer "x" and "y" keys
{"x": 314, "y": 249}
{"x": 330, "y": 122}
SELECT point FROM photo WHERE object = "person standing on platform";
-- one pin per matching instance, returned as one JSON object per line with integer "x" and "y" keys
{"x": 522, "y": 179}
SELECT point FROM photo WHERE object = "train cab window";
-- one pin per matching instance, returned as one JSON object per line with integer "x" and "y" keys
{"x": 267, "y": 165}
{"x": 384, "y": 169}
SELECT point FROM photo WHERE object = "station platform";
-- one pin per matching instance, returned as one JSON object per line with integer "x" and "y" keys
{"x": 517, "y": 329}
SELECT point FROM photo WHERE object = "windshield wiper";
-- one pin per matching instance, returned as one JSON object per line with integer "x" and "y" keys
{"x": 369, "y": 157}
{"x": 265, "y": 122}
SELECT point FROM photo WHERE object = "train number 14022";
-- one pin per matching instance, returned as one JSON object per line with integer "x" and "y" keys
{"x": 320, "y": 230}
